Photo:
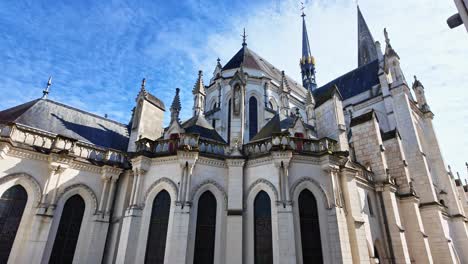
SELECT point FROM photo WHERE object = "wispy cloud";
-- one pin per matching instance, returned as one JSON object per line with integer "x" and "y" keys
{"x": 98, "y": 51}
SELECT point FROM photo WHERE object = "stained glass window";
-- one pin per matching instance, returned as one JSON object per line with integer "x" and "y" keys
{"x": 206, "y": 229}
{"x": 68, "y": 231}
{"x": 156, "y": 245}
{"x": 310, "y": 228}
{"x": 12, "y": 205}
{"x": 253, "y": 117}
{"x": 262, "y": 229}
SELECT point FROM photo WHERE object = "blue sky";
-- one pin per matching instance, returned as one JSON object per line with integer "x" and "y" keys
{"x": 98, "y": 51}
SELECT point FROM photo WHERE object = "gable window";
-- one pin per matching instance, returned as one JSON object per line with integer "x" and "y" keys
{"x": 263, "y": 252}
{"x": 156, "y": 245}
{"x": 206, "y": 229}
{"x": 253, "y": 117}
{"x": 310, "y": 228}
{"x": 68, "y": 231}
{"x": 12, "y": 205}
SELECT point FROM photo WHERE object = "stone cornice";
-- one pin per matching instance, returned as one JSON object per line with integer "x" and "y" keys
{"x": 259, "y": 161}
{"x": 212, "y": 162}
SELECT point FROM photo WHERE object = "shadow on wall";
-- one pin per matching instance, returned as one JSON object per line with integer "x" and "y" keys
{"x": 102, "y": 137}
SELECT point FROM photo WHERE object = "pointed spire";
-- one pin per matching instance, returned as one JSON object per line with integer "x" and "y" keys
{"x": 175, "y": 107}
{"x": 199, "y": 95}
{"x": 307, "y": 61}
{"x": 199, "y": 87}
{"x": 389, "y": 51}
{"x": 367, "y": 52}
{"x": 417, "y": 83}
{"x": 284, "y": 83}
{"x": 143, "y": 88}
{"x": 45, "y": 92}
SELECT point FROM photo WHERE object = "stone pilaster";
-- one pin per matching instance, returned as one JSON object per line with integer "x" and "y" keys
{"x": 394, "y": 228}
{"x": 286, "y": 244}
{"x": 235, "y": 210}
{"x": 355, "y": 221}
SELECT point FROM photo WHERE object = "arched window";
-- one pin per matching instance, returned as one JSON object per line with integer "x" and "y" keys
{"x": 262, "y": 229}
{"x": 206, "y": 229}
{"x": 310, "y": 228}
{"x": 12, "y": 205}
{"x": 229, "y": 122}
{"x": 68, "y": 230}
{"x": 156, "y": 245}
{"x": 253, "y": 117}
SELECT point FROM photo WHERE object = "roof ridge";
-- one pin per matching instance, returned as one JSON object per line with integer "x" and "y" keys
{"x": 349, "y": 72}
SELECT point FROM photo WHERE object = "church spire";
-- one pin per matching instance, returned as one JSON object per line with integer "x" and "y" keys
{"x": 175, "y": 107}
{"x": 199, "y": 95}
{"x": 367, "y": 51}
{"x": 307, "y": 61}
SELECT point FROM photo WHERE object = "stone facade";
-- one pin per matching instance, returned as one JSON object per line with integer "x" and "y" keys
{"x": 367, "y": 154}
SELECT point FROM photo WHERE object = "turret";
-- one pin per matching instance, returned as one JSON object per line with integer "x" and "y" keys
{"x": 285, "y": 91}
{"x": 147, "y": 118}
{"x": 307, "y": 61}
{"x": 418, "y": 89}
{"x": 392, "y": 63}
{"x": 199, "y": 96}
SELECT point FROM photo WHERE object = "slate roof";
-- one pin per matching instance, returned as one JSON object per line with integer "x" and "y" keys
{"x": 278, "y": 124}
{"x": 246, "y": 58}
{"x": 199, "y": 125}
{"x": 354, "y": 82}
{"x": 64, "y": 120}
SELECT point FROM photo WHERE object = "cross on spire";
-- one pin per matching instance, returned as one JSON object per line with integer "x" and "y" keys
{"x": 244, "y": 39}
{"x": 45, "y": 92}
{"x": 302, "y": 9}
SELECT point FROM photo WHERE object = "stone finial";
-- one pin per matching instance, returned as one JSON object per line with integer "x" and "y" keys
{"x": 45, "y": 92}
{"x": 244, "y": 39}
{"x": 199, "y": 87}
{"x": 175, "y": 107}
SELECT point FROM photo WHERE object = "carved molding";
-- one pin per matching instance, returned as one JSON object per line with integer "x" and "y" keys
{"x": 169, "y": 159}
{"x": 21, "y": 175}
{"x": 328, "y": 203}
{"x": 83, "y": 187}
{"x": 218, "y": 186}
{"x": 262, "y": 181}
{"x": 259, "y": 161}
{"x": 212, "y": 162}
{"x": 174, "y": 187}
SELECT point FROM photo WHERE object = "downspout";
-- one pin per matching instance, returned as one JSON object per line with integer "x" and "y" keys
{"x": 387, "y": 229}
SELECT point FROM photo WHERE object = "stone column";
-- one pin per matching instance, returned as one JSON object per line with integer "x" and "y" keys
{"x": 234, "y": 237}
{"x": 285, "y": 221}
{"x": 132, "y": 218}
{"x": 180, "y": 226}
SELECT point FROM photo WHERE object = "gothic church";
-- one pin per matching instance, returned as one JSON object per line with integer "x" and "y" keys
{"x": 267, "y": 170}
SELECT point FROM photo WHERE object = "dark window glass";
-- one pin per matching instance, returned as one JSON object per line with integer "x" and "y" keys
{"x": 213, "y": 123}
{"x": 310, "y": 228}
{"x": 369, "y": 204}
{"x": 262, "y": 229}
{"x": 229, "y": 123}
{"x": 12, "y": 205}
{"x": 253, "y": 117}
{"x": 206, "y": 229}
{"x": 68, "y": 231}
{"x": 156, "y": 245}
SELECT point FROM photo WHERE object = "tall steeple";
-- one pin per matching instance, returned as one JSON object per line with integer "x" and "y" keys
{"x": 307, "y": 61}
{"x": 367, "y": 51}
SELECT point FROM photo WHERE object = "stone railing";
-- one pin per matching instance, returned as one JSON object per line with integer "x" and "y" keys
{"x": 56, "y": 143}
{"x": 185, "y": 142}
{"x": 285, "y": 142}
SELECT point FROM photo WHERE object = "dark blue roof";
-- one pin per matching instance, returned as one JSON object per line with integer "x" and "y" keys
{"x": 354, "y": 82}
{"x": 67, "y": 121}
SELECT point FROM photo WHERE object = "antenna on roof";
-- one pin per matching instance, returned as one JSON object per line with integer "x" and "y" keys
{"x": 45, "y": 92}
